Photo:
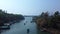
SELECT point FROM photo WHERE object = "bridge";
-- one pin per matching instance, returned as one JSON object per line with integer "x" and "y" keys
{"x": 29, "y": 16}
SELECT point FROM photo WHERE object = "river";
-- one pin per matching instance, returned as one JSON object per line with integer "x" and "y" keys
{"x": 20, "y": 28}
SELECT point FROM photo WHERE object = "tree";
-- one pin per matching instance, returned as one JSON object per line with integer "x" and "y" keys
{"x": 56, "y": 13}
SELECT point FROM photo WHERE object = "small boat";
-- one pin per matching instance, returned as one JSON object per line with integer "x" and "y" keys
{"x": 31, "y": 21}
{"x": 5, "y": 26}
{"x": 24, "y": 23}
{"x": 28, "y": 30}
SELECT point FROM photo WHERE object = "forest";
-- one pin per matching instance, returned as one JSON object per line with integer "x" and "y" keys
{"x": 7, "y": 18}
{"x": 48, "y": 22}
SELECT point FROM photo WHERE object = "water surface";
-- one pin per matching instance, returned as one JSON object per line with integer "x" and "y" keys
{"x": 20, "y": 28}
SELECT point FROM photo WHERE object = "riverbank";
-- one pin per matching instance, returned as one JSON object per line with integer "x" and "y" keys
{"x": 6, "y": 19}
{"x": 51, "y": 30}
{"x": 49, "y": 23}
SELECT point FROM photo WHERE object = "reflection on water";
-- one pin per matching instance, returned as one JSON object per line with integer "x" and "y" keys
{"x": 21, "y": 28}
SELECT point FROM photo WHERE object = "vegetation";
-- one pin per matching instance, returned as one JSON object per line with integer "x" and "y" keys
{"x": 48, "y": 21}
{"x": 7, "y": 18}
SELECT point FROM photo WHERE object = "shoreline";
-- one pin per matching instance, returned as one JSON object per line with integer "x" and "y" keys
{"x": 51, "y": 30}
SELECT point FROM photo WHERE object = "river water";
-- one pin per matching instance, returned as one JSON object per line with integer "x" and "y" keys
{"x": 20, "y": 28}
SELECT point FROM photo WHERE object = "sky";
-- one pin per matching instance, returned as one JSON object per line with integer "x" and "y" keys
{"x": 30, "y": 7}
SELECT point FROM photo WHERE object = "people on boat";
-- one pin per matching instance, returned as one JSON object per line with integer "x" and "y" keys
{"x": 28, "y": 30}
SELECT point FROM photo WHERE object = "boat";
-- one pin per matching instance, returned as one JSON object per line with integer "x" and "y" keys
{"x": 5, "y": 26}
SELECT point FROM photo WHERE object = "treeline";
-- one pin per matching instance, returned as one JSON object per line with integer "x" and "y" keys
{"x": 48, "y": 21}
{"x": 6, "y": 18}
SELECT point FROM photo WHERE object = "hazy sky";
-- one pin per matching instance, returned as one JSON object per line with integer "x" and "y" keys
{"x": 29, "y": 7}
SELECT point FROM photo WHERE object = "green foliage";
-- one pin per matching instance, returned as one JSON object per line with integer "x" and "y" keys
{"x": 52, "y": 21}
{"x": 6, "y": 18}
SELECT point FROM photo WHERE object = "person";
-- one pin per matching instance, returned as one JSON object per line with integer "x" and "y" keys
{"x": 27, "y": 30}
